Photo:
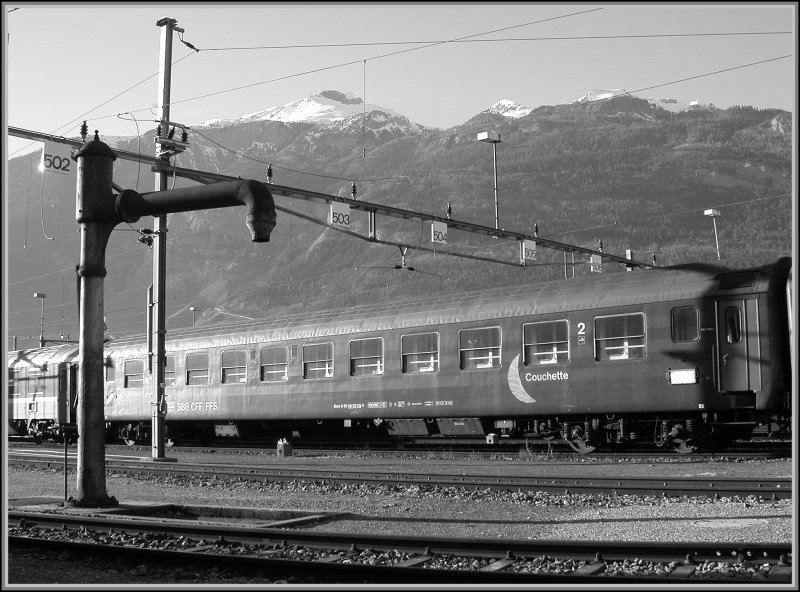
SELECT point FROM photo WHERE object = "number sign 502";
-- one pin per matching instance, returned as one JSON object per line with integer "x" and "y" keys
{"x": 57, "y": 163}
{"x": 56, "y": 158}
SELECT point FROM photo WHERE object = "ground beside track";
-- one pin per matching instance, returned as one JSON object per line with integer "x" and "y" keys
{"x": 417, "y": 511}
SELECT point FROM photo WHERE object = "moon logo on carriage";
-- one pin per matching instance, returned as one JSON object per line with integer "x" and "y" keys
{"x": 515, "y": 383}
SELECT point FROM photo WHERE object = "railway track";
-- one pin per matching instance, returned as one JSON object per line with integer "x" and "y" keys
{"x": 455, "y": 448}
{"x": 516, "y": 478}
{"x": 150, "y": 535}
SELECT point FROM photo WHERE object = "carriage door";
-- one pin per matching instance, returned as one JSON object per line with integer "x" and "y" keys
{"x": 737, "y": 342}
{"x": 72, "y": 391}
{"x": 68, "y": 392}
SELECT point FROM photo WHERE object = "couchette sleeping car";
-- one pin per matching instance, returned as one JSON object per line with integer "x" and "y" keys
{"x": 685, "y": 357}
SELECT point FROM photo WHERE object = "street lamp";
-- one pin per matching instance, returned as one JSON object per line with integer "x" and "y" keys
{"x": 494, "y": 139}
{"x": 41, "y": 330}
{"x": 192, "y": 308}
{"x": 713, "y": 215}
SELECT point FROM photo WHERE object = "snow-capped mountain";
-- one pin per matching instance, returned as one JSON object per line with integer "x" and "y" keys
{"x": 327, "y": 107}
{"x": 668, "y": 104}
{"x": 599, "y": 94}
{"x": 508, "y": 108}
{"x": 332, "y": 111}
{"x": 676, "y": 106}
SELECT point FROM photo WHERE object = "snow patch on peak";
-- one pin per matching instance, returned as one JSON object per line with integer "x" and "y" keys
{"x": 668, "y": 104}
{"x": 599, "y": 94}
{"x": 329, "y": 106}
{"x": 508, "y": 108}
{"x": 676, "y": 106}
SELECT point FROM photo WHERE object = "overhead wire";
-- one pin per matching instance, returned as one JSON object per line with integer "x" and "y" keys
{"x": 28, "y": 205}
{"x": 426, "y": 44}
{"x": 44, "y": 232}
{"x": 465, "y": 39}
{"x": 502, "y": 39}
{"x": 394, "y": 53}
{"x": 80, "y": 117}
{"x": 138, "y": 145}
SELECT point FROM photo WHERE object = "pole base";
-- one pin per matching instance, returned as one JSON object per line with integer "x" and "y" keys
{"x": 106, "y": 502}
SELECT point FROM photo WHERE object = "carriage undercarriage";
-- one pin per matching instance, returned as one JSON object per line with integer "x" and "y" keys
{"x": 680, "y": 434}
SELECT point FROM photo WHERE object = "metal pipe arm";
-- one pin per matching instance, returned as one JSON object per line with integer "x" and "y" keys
{"x": 261, "y": 216}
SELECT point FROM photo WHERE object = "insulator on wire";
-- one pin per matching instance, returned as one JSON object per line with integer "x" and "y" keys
{"x": 184, "y": 136}
{"x": 171, "y": 133}
{"x": 353, "y": 189}
{"x": 84, "y": 130}
{"x": 448, "y": 210}
{"x": 269, "y": 173}
{"x": 536, "y": 230}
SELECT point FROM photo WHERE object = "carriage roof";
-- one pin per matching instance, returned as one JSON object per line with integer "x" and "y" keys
{"x": 584, "y": 293}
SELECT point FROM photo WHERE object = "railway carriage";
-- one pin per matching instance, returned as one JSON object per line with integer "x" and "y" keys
{"x": 42, "y": 390}
{"x": 683, "y": 357}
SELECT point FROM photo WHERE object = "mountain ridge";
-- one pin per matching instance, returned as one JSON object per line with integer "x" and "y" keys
{"x": 332, "y": 107}
{"x": 620, "y": 170}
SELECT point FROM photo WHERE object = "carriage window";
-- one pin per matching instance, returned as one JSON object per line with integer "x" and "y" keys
{"x": 420, "y": 353}
{"x": 318, "y": 360}
{"x": 733, "y": 324}
{"x": 234, "y": 367}
{"x": 169, "y": 371}
{"x": 111, "y": 374}
{"x": 479, "y": 348}
{"x": 134, "y": 373}
{"x": 12, "y": 382}
{"x": 545, "y": 343}
{"x": 619, "y": 337}
{"x": 274, "y": 364}
{"x": 366, "y": 357}
{"x": 685, "y": 324}
{"x": 197, "y": 369}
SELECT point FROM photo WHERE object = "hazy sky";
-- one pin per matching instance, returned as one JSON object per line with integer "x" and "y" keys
{"x": 68, "y": 62}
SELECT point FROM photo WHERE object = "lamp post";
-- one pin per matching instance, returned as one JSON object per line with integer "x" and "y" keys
{"x": 711, "y": 213}
{"x": 494, "y": 139}
{"x": 192, "y": 308}
{"x": 41, "y": 330}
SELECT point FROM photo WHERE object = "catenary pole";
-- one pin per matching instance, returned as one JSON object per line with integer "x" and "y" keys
{"x": 158, "y": 338}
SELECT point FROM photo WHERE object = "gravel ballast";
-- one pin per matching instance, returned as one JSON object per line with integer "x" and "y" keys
{"x": 431, "y": 511}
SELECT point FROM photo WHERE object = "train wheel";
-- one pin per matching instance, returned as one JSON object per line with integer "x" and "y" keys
{"x": 581, "y": 447}
{"x": 578, "y": 440}
{"x": 206, "y": 436}
{"x": 126, "y": 434}
{"x": 682, "y": 446}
